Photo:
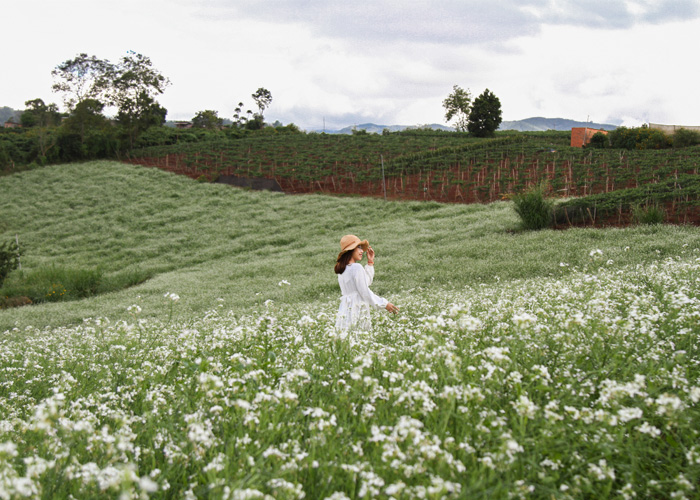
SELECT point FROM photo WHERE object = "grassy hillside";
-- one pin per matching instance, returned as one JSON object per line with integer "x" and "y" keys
{"x": 556, "y": 364}
{"x": 213, "y": 244}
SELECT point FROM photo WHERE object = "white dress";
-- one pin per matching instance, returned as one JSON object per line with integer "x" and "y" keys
{"x": 353, "y": 313}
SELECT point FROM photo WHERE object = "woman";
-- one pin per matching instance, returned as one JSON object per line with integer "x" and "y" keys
{"x": 354, "y": 280}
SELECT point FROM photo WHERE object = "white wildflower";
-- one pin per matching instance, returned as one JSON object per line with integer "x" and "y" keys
{"x": 524, "y": 319}
{"x": 596, "y": 253}
{"x": 524, "y": 407}
{"x": 668, "y": 404}
{"x": 627, "y": 414}
{"x": 646, "y": 428}
{"x": 601, "y": 471}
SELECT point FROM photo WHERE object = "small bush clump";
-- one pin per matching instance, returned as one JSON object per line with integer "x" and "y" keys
{"x": 639, "y": 138}
{"x": 54, "y": 284}
{"x": 684, "y": 138}
{"x": 535, "y": 211}
{"x": 648, "y": 214}
{"x": 599, "y": 141}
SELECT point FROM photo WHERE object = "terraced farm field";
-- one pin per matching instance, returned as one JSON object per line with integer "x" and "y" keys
{"x": 440, "y": 167}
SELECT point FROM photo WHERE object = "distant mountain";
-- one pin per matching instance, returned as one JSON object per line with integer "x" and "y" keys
{"x": 535, "y": 124}
{"x": 539, "y": 124}
{"x": 6, "y": 113}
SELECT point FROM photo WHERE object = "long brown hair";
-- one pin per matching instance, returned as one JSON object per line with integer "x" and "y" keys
{"x": 342, "y": 262}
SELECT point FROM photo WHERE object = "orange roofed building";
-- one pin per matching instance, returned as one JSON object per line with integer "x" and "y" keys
{"x": 580, "y": 136}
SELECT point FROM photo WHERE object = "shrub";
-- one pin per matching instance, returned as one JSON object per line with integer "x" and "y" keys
{"x": 684, "y": 138}
{"x": 9, "y": 259}
{"x": 535, "y": 211}
{"x": 599, "y": 141}
{"x": 53, "y": 284}
{"x": 639, "y": 138}
{"x": 648, "y": 214}
{"x": 653, "y": 139}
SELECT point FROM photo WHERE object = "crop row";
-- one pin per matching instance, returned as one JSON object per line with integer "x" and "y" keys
{"x": 442, "y": 168}
{"x": 678, "y": 197}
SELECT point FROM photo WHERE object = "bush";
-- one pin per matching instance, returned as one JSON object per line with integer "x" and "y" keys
{"x": 599, "y": 141}
{"x": 639, "y": 138}
{"x": 9, "y": 259}
{"x": 53, "y": 284}
{"x": 648, "y": 214}
{"x": 535, "y": 211}
{"x": 684, "y": 138}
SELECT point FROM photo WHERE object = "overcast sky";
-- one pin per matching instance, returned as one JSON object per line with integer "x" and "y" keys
{"x": 344, "y": 62}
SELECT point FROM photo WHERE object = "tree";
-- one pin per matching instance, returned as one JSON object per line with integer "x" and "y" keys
{"x": 82, "y": 134}
{"x": 485, "y": 116}
{"x": 134, "y": 86}
{"x": 457, "y": 105}
{"x": 207, "y": 119}
{"x": 137, "y": 114}
{"x": 262, "y": 98}
{"x": 86, "y": 115}
{"x": 39, "y": 114}
{"x": 41, "y": 119}
{"x": 131, "y": 86}
{"x": 239, "y": 118}
{"x": 80, "y": 78}
{"x": 255, "y": 121}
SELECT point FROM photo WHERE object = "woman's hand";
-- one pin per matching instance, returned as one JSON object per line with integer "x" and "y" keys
{"x": 370, "y": 256}
{"x": 392, "y": 308}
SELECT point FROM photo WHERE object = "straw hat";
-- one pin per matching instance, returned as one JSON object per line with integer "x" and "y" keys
{"x": 351, "y": 242}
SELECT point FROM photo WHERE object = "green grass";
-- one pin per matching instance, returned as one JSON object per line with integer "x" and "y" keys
{"x": 207, "y": 242}
{"x": 548, "y": 364}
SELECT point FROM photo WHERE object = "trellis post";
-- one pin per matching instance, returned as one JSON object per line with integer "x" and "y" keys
{"x": 383, "y": 179}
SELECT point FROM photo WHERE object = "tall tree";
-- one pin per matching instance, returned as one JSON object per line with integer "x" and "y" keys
{"x": 138, "y": 113}
{"x": 239, "y": 116}
{"x": 485, "y": 116}
{"x": 262, "y": 98}
{"x": 40, "y": 114}
{"x": 80, "y": 130}
{"x": 208, "y": 119}
{"x": 87, "y": 115}
{"x": 42, "y": 119}
{"x": 458, "y": 105}
{"x": 134, "y": 86}
{"x": 80, "y": 78}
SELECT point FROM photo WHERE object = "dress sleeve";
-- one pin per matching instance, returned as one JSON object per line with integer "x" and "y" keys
{"x": 369, "y": 272}
{"x": 361, "y": 283}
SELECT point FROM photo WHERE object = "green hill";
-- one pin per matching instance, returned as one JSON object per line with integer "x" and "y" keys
{"x": 216, "y": 245}
{"x": 550, "y": 364}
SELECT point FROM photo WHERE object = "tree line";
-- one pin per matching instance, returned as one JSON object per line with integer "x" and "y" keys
{"x": 88, "y": 87}
{"x": 644, "y": 137}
